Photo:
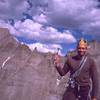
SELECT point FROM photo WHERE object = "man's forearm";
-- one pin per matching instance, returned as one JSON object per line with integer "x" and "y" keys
{"x": 60, "y": 70}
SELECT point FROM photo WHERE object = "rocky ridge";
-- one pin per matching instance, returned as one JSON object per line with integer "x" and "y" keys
{"x": 31, "y": 75}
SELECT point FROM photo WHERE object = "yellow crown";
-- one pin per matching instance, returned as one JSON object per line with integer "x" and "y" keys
{"x": 82, "y": 42}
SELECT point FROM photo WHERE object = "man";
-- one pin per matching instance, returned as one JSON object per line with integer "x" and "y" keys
{"x": 79, "y": 89}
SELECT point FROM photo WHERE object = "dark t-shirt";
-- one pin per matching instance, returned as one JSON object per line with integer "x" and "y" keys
{"x": 89, "y": 71}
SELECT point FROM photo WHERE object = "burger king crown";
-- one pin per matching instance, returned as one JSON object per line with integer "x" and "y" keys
{"x": 82, "y": 42}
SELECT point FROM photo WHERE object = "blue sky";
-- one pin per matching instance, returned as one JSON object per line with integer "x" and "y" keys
{"x": 51, "y": 24}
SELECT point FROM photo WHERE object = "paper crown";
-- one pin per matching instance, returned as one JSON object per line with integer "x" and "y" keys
{"x": 82, "y": 42}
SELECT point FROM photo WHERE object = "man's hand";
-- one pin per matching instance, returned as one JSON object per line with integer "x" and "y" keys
{"x": 56, "y": 59}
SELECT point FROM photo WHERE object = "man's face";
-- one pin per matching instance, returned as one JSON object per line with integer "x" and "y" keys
{"x": 82, "y": 50}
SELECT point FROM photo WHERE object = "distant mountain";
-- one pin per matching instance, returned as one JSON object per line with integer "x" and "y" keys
{"x": 31, "y": 75}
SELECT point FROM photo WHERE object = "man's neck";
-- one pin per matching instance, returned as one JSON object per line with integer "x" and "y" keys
{"x": 80, "y": 56}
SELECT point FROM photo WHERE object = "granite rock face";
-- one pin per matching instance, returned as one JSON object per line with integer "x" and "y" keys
{"x": 26, "y": 74}
{"x": 31, "y": 75}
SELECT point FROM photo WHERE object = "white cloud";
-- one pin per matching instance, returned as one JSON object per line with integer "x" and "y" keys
{"x": 35, "y": 31}
{"x": 71, "y": 14}
{"x": 45, "y": 47}
{"x": 40, "y": 18}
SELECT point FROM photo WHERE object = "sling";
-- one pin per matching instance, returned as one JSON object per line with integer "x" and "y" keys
{"x": 72, "y": 81}
{"x": 81, "y": 65}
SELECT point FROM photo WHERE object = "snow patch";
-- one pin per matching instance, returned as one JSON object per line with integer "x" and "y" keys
{"x": 8, "y": 58}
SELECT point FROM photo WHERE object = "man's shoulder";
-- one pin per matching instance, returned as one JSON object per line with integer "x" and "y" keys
{"x": 91, "y": 59}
